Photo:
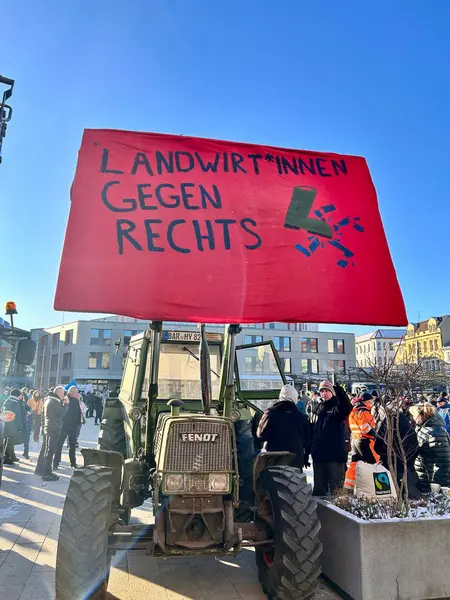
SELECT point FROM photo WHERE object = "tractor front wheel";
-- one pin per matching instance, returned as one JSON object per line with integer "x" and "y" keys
{"x": 82, "y": 560}
{"x": 289, "y": 567}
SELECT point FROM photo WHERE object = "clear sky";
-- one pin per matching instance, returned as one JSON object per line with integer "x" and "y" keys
{"x": 365, "y": 78}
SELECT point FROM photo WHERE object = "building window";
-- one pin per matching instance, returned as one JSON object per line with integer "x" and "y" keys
{"x": 68, "y": 339}
{"x": 54, "y": 362}
{"x": 101, "y": 337}
{"x": 99, "y": 360}
{"x": 310, "y": 365}
{"x": 253, "y": 339}
{"x": 287, "y": 365}
{"x": 337, "y": 366}
{"x": 336, "y": 346}
{"x": 55, "y": 340}
{"x": 378, "y": 346}
{"x": 308, "y": 344}
{"x": 52, "y": 382}
{"x": 435, "y": 345}
{"x": 67, "y": 360}
{"x": 425, "y": 347}
{"x": 391, "y": 346}
{"x": 271, "y": 325}
{"x": 127, "y": 335}
{"x": 282, "y": 344}
{"x": 252, "y": 364}
{"x": 65, "y": 380}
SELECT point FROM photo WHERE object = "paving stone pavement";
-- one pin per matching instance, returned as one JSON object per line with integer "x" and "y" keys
{"x": 30, "y": 514}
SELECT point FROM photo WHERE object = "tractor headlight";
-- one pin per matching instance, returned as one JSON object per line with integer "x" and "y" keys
{"x": 135, "y": 413}
{"x": 219, "y": 482}
{"x": 173, "y": 483}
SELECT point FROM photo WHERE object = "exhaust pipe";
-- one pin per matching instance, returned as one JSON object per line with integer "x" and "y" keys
{"x": 205, "y": 372}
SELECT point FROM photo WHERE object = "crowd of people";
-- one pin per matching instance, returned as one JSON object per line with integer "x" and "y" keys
{"x": 332, "y": 428}
{"x": 336, "y": 430}
{"x": 58, "y": 415}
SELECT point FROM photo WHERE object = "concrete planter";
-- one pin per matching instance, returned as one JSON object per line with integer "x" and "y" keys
{"x": 400, "y": 559}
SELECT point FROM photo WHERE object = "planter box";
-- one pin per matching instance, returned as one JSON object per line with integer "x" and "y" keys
{"x": 398, "y": 559}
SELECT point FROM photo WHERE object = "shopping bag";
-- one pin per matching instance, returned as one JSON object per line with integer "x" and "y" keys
{"x": 374, "y": 481}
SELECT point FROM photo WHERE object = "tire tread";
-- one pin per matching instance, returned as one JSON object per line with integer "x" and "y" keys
{"x": 82, "y": 562}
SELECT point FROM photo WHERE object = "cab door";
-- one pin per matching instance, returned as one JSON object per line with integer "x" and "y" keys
{"x": 259, "y": 375}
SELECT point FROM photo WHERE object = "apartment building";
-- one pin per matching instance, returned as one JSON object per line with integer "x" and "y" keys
{"x": 377, "y": 348}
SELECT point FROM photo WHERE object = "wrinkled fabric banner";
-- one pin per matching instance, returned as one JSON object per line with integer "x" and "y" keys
{"x": 173, "y": 228}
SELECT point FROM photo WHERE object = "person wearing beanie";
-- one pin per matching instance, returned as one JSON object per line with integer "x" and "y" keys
{"x": 284, "y": 428}
{"x": 14, "y": 430}
{"x": 71, "y": 424}
{"x": 328, "y": 446}
{"x": 53, "y": 414}
{"x": 362, "y": 427}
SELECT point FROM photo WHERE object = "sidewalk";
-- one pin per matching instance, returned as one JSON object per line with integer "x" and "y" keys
{"x": 30, "y": 513}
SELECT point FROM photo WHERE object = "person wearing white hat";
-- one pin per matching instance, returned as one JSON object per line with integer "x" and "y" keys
{"x": 284, "y": 428}
{"x": 328, "y": 447}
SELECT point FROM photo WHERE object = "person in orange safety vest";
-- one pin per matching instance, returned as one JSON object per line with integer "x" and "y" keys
{"x": 362, "y": 427}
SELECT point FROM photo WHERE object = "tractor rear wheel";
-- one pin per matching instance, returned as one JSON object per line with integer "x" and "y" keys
{"x": 289, "y": 568}
{"x": 82, "y": 560}
{"x": 112, "y": 430}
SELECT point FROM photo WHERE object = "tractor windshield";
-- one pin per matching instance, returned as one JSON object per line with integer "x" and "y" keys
{"x": 179, "y": 372}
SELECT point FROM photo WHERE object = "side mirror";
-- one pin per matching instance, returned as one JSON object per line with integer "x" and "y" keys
{"x": 26, "y": 350}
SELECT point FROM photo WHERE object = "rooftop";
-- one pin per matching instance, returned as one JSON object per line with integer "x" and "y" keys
{"x": 422, "y": 326}
{"x": 389, "y": 334}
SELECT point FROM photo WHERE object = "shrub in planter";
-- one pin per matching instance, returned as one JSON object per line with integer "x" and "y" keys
{"x": 373, "y": 552}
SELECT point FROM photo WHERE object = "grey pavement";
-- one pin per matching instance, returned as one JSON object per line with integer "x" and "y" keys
{"x": 30, "y": 513}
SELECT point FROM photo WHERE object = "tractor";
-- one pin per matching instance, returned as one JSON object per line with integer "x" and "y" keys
{"x": 179, "y": 436}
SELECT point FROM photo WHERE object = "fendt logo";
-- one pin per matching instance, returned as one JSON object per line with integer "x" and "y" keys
{"x": 199, "y": 437}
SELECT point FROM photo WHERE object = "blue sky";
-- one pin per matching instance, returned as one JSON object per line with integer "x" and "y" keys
{"x": 351, "y": 77}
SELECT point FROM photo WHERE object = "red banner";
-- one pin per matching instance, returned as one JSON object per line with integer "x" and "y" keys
{"x": 173, "y": 228}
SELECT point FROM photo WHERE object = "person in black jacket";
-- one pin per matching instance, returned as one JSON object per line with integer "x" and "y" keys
{"x": 328, "y": 447}
{"x": 406, "y": 438}
{"x": 71, "y": 424}
{"x": 433, "y": 459}
{"x": 53, "y": 413}
{"x": 14, "y": 430}
{"x": 284, "y": 428}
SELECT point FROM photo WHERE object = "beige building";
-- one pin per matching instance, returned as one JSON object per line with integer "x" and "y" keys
{"x": 426, "y": 341}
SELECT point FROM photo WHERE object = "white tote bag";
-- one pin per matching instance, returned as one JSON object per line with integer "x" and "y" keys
{"x": 374, "y": 481}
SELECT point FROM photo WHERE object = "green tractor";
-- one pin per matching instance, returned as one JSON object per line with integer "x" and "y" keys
{"x": 179, "y": 435}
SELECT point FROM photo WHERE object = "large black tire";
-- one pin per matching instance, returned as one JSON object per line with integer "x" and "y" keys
{"x": 289, "y": 569}
{"x": 112, "y": 430}
{"x": 82, "y": 560}
{"x": 246, "y": 456}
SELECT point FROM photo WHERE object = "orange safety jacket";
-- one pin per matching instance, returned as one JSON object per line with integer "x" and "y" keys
{"x": 362, "y": 426}
{"x": 362, "y": 423}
